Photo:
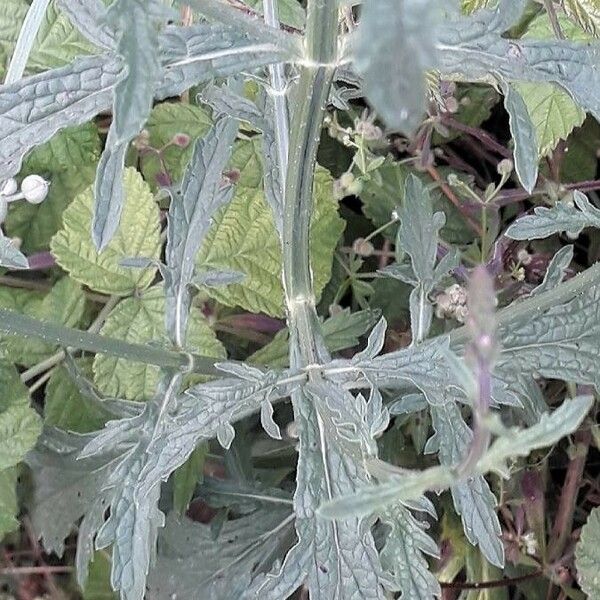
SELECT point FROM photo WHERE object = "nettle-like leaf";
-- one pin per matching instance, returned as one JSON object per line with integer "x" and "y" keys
{"x": 138, "y": 235}
{"x": 168, "y": 120}
{"x": 568, "y": 215}
{"x": 243, "y": 547}
{"x": 585, "y": 12}
{"x": 190, "y": 217}
{"x": 396, "y": 42}
{"x": 587, "y": 556}
{"x": 243, "y": 238}
{"x": 65, "y": 304}
{"x": 20, "y": 427}
{"x": 68, "y": 160}
{"x": 140, "y": 319}
{"x": 8, "y": 501}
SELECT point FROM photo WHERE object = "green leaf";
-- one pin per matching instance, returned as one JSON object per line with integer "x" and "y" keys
{"x": 395, "y": 44}
{"x": 383, "y": 191}
{"x": 586, "y": 13}
{"x": 20, "y": 425}
{"x": 524, "y": 135}
{"x": 12, "y": 15}
{"x": 8, "y": 501}
{"x": 342, "y": 330}
{"x": 243, "y": 239}
{"x": 98, "y": 586}
{"x": 553, "y": 112}
{"x": 68, "y": 161}
{"x": 65, "y": 304}
{"x": 165, "y": 122}
{"x": 187, "y": 477}
{"x": 587, "y": 555}
{"x": 290, "y": 11}
{"x": 470, "y": 6}
{"x": 140, "y": 319}
{"x": 57, "y": 42}
{"x": 138, "y": 235}
{"x": 67, "y": 408}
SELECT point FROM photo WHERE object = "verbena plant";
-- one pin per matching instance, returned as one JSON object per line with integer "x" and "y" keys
{"x": 348, "y": 530}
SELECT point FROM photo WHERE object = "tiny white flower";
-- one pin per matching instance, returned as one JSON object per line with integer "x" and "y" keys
{"x": 34, "y": 189}
{"x": 8, "y": 187}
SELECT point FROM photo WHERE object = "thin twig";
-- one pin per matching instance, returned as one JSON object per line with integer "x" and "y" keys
{"x": 452, "y": 197}
{"x": 486, "y": 585}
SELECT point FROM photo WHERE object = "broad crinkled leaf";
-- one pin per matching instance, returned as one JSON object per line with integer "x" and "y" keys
{"x": 138, "y": 235}
{"x": 570, "y": 216}
{"x": 65, "y": 304}
{"x": 67, "y": 408}
{"x": 587, "y": 555}
{"x": 140, "y": 319}
{"x": 243, "y": 547}
{"x": 68, "y": 161}
{"x": 8, "y": 501}
{"x": 165, "y": 122}
{"x": 243, "y": 239}
{"x": 395, "y": 44}
{"x": 586, "y": 13}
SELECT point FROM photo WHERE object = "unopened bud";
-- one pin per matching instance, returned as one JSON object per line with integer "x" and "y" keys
{"x": 505, "y": 167}
{"x": 363, "y": 247}
{"x": 34, "y": 189}
{"x": 182, "y": 140}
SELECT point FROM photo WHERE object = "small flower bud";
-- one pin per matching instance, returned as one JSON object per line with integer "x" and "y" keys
{"x": 505, "y": 167}
{"x": 35, "y": 189}
{"x": 8, "y": 187}
{"x": 524, "y": 257}
{"x": 17, "y": 242}
{"x": 182, "y": 140}
{"x": 346, "y": 179}
{"x": 363, "y": 247}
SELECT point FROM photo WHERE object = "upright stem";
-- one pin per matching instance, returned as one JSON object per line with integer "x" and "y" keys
{"x": 316, "y": 76}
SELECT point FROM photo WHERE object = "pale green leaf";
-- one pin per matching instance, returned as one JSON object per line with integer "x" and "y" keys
{"x": 138, "y": 235}
{"x": 67, "y": 408}
{"x": 187, "y": 477}
{"x": 65, "y": 304}
{"x": 20, "y": 425}
{"x": 8, "y": 501}
{"x": 586, "y": 13}
{"x": 165, "y": 122}
{"x": 290, "y": 11}
{"x": 140, "y": 319}
{"x": 243, "y": 239}
{"x": 97, "y": 586}
{"x": 57, "y": 42}
{"x": 587, "y": 556}
{"x": 552, "y": 111}
{"x": 68, "y": 161}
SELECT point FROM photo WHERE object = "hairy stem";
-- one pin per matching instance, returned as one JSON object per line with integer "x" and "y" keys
{"x": 316, "y": 76}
